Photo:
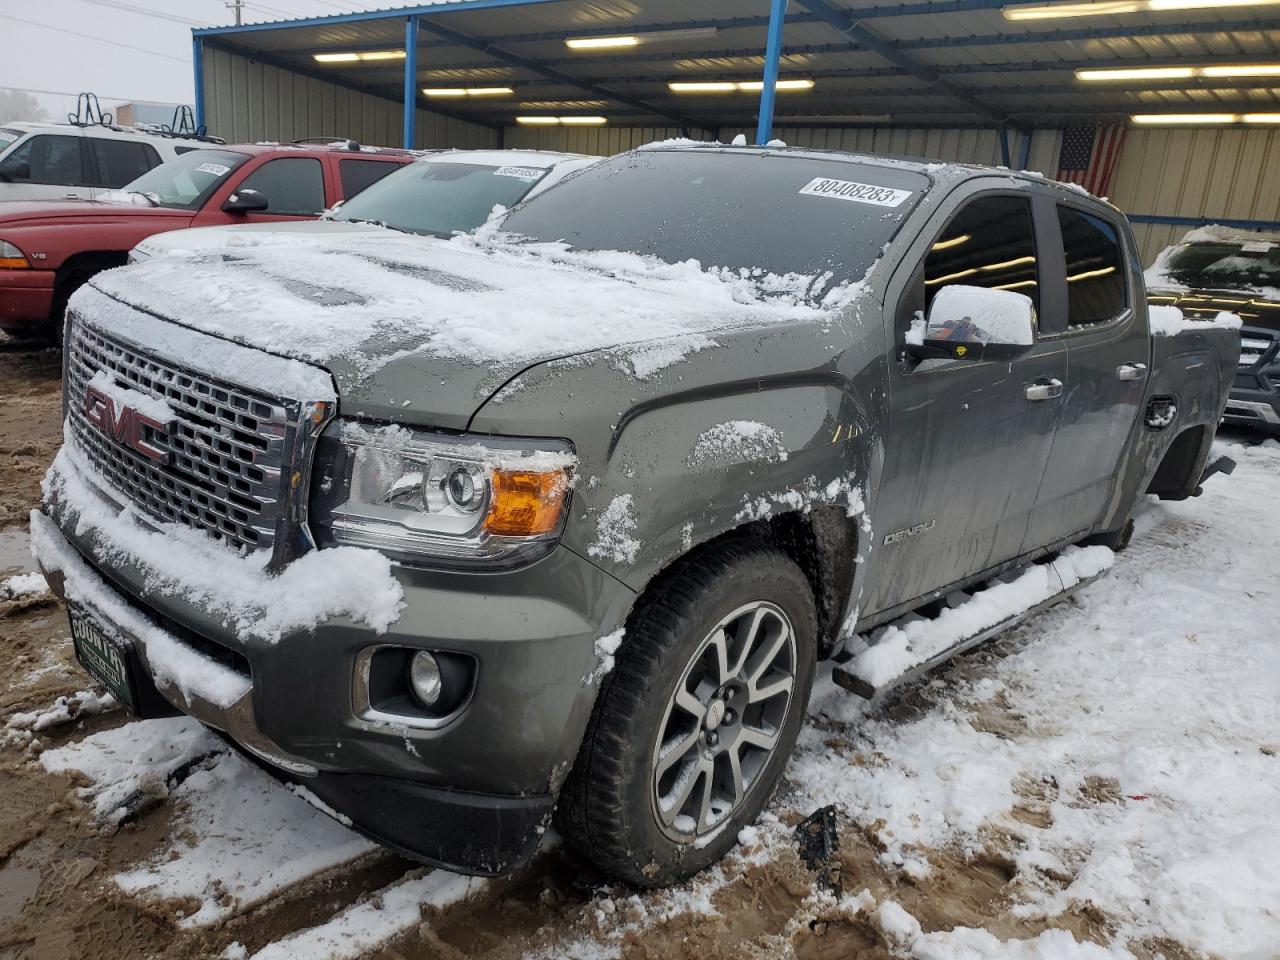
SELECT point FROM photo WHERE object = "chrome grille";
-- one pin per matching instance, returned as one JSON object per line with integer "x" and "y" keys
{"x": 227, "y": 447}
{"x": 1252, "y": 349}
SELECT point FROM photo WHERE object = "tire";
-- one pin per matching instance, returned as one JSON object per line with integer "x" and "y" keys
{"x": 616, "y": 808}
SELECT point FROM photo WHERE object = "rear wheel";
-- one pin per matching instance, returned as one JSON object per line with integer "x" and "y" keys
{"x": 693, "y": 728}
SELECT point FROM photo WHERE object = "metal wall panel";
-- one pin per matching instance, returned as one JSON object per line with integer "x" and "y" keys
{"x": 248, "y": 101}
{"x": 1224, "y": 173}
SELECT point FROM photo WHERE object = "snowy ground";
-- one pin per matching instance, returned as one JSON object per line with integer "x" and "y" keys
{"x": 1103, "y": 781}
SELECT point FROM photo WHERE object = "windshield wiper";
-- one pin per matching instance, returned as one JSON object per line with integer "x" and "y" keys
{"x": 149, "y": 197}
{"x": 375, "y": 223}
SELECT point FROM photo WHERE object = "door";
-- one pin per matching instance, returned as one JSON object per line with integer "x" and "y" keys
{"x": 293, "y": 187}
{"x": 1108, "y": 352}
{"x": 45, "y": 166}
{"x": 118, "y": 162}
{"x": 968, "y": 441}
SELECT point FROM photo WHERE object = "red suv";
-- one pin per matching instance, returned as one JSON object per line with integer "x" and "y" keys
{"x": 48, "y": 248}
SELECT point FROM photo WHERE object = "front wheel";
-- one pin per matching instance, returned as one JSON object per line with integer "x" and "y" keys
{"x": 693, "y": 728}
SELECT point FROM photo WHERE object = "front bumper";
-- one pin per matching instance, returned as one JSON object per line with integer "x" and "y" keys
{"x": 26, "y": 298}
{"x": 471, "y": 795}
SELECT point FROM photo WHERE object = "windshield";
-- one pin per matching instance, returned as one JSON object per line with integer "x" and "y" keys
{"x": 186, "y": 181}
{"x": 1229, "y": 265}
{"x": 440, "y": 197}
{"x": 778, "y": 212}
{"x": 7, "y": 137}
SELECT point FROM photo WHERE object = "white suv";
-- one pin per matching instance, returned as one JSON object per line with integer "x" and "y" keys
{"x": 42, "y": 161}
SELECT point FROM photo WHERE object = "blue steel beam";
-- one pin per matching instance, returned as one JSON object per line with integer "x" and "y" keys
{"x": 1024, "y": 152}
{"x": 772, "y": 56}
{"x": 410, "y": 82}
{"x": 197, "y": 67}
{"x": 1203, "y": 221}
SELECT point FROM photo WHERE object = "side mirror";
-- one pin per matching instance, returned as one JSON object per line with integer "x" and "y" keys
{"x": 245, "y": 200}
{"x": 974, "y": 323}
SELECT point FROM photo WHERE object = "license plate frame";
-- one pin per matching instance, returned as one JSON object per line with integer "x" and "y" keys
{"x": 105, "y": 654}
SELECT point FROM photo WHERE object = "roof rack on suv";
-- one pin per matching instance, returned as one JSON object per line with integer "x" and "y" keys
{"x": 89, "y": 113}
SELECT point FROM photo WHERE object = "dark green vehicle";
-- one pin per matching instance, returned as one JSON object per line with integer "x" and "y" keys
{"x": 461, "y": 533}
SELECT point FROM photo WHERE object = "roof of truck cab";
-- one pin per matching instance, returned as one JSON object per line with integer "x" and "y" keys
{"x": 930, "y": 168}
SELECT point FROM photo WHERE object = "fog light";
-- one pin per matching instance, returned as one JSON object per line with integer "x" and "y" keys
{"x": 425, "y": 679}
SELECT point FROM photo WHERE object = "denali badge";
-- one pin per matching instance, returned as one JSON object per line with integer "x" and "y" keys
{"x": 123, "y": 425}
{"x": 901, "y": 535}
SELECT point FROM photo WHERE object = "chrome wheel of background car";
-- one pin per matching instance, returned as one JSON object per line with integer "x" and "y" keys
{"x": 723, "y": 720}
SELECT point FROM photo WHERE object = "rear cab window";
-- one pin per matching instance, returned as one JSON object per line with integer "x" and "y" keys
{"x": 1097, "y": 287}
{"x": 356, "y": 174}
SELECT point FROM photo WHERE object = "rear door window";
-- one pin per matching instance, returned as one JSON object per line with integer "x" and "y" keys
{"x": 292, "y": 185}
{"x": 45, "y": 158}
{"x": 122, "y": 161}
{"x": 1096, "y": 290}
{"x": 990, "y": 243}
{"x": 358, "y": 174}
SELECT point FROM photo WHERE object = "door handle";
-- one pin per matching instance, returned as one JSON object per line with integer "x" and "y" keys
{"x": 1045, "y": 390}
{"x": 1131, "y": 371}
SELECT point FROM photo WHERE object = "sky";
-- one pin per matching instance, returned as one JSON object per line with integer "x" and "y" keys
{"x": 124, "y": 49}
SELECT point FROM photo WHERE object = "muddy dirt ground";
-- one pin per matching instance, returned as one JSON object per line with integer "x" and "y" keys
{"x": 58, "y": 898}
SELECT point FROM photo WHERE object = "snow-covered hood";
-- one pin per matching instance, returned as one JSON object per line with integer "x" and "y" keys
{"x": 203, "y": 239}
{"x": 425, "y": 330}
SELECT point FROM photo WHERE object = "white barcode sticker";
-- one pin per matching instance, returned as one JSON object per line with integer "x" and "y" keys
{"x": 854, "y": 192}
{"x": 520, "y": 173}
{"x": 214, "y": 169}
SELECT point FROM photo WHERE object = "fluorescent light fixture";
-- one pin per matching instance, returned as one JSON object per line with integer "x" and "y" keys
{"x": 1157, "y": 119}
{"x": 1057, "y": 11}
{"x": 735, "y": 86}
{"x": 634, "y": 40}
{"x": 600, "y": 43}
{"x": 1181, "y": 73}
{"x": 1139, "y": 73}
{"x": 1261, "y": 118}
{"x": 565, "y": 121}
{"x": 365, "y": 56}
{"x": 1054, "y": 11}
{"x": 1245, "y": 70}
{"x": 468, "y": 92}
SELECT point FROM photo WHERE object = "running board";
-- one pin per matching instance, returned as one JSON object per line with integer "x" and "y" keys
{"x": 862, "y": 687}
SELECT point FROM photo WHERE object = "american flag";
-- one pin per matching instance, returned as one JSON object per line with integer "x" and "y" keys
{"x": 1089, "y": 154}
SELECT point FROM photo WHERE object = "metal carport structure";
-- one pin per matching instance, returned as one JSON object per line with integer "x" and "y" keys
{"x": 961, "y": 80}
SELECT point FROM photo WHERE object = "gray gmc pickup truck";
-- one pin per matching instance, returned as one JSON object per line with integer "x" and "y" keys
{"x": 560, "y": 518}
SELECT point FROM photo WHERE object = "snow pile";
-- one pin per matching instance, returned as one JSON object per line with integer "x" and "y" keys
{"x": 365, "y": 296}
{"x": 898, "y": 648}
{"x": 359, "y": 929}
{"x": 178, "y": 561}
{"x": 605, "y": 648}
{"x": 86, "y": 703}
{"x": 1170, "y": 321}
{"x": 135, "y": 759}
{"x": 1139, "y": 720}
{"x": 647, "y": 359}
{"x": 22, "y": 585}
{"x": 738, "y": 441}
{"x": 614, "y": 529}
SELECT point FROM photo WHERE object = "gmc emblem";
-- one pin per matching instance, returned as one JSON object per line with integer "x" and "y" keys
{"x": 123, "y": 425}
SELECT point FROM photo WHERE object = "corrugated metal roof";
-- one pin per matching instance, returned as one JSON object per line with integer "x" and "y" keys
{"x": 964, "y": 62}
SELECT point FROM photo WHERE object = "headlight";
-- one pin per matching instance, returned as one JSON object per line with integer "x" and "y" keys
{"x": 434, "y": 499}
{"x": 11, "y": 258}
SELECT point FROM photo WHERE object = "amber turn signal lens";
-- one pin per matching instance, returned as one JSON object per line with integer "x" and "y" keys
{"x": 14, "y": 263}
{"x": 526, "y": 504}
